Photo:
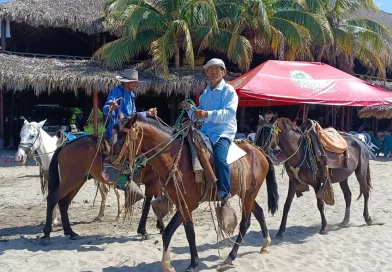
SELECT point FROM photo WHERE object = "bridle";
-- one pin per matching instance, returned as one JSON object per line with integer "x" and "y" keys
{"x": 259, "y": 133}
{"x": 28, "y": 147}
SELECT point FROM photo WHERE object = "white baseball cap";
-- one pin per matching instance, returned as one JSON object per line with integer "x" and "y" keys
{"x": 217, "y": 62}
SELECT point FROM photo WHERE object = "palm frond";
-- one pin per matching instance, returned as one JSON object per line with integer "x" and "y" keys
{"x": 297, "y": 37}
{"x": 116, "y": 53}
{"x": 317, "y": 25}
{"x": 370, "y": 60}
{"x": 162, "y": 50}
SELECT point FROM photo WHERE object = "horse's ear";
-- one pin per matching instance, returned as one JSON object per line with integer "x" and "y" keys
{"x": 273, "y": 119}
{"x": 261, "y": 119}
{"x": 41, "y": 124}
{"x": 25, "y": 122}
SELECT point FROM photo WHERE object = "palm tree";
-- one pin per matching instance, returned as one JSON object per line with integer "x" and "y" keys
{"x": 352, "y": 38}
{"x": 161, "y": 28}
{"x": 282, "y": 28}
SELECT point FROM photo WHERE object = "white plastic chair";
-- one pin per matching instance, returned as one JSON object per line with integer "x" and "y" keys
{"x": 251, "y": 136}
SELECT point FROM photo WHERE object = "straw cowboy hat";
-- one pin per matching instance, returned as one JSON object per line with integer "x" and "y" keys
{"x": 128, "y": 75}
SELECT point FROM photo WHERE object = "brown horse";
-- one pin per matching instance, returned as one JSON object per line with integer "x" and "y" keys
{"x": 292, "y": 146}
{"x": 150, "y": 136}
{"x": 72, "y": 163}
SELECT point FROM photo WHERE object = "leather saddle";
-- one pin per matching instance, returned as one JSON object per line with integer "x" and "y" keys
{"x": 329, "y": 146}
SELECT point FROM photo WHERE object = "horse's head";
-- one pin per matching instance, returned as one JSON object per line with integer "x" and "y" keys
{"x": 283, "y": 134}
{"x": 29, "y": 140}
{"x": 263, "y": 132}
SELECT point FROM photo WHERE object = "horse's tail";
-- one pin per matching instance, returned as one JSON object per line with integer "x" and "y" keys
{"x": 368, "y": 182}
{"x": 272, "y": 187}
{"x": 54, "y": 178}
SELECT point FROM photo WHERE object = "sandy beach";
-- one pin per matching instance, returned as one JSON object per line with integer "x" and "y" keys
{"x": 114, "y": 245}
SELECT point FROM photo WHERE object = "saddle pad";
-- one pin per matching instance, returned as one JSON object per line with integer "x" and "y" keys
{"x": 71, "y": 137}
{"x": 331, "y": 139}
{"x": 235, "y": 152}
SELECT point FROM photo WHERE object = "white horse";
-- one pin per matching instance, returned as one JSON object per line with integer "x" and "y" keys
{"x": 34, "y": 139}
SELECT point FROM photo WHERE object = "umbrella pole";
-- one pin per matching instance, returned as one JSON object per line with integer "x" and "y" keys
{"x": 342, "y": 118}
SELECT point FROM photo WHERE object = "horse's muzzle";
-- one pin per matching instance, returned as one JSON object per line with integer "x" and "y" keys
{"x": 19, "y": 157}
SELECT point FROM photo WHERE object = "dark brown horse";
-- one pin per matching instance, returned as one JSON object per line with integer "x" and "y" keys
{"x": 69, "y": 168}
{"x": 289, "y": 137}
{"x": 186, "y": 193}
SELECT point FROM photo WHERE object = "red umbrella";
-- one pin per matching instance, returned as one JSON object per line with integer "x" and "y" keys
{"x": 295, "y": 82}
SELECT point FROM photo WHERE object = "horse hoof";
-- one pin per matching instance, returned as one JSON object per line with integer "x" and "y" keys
{"x": 225, "y": 267}
{"x": 75, "y": 236}
{"x": 97, "y": 219}
{"x": 369, "y": 222}
{"x": 323, "y": 232}
{"x": 264, "y": 251}
{"x": 191, "y": 268}
{"x": 145, "y": 236}
{"x": 279, "y": 236}
{"x": 344, "y": 224}
{"x": 169, "y": 269}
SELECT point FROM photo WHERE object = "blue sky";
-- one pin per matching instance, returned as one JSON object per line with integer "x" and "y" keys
{"x": 385, "y": 5}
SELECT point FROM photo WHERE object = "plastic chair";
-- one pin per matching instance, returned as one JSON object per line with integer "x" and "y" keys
{"x": 240, "y": 136}
{"x": 387, "y": 144}
{"x": 251, "y": 136}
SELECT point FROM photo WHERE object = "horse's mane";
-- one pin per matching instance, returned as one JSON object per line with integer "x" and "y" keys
{"x": 155, "y": 124}
{"x": 146, "y": 120}
{"x": 289, "y": 125}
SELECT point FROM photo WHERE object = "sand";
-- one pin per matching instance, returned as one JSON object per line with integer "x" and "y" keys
{"x": 114, "y": 245}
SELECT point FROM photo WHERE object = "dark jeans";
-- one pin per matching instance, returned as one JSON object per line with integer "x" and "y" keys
{"x": 222, "y": 168}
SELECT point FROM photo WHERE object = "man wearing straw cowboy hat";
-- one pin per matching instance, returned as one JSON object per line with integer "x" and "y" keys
{"x": 121, "y": 100}
{"x": 218, "y": 108}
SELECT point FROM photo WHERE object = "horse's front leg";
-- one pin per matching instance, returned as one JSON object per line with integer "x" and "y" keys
{"x": 103, "y": 190}
{"x": 167, "y": 234}
{"x": 118, "y": 196}
{"x": 320, "y": 206}
{"x": 190, "y": 236}
{"x": 143, "y": 219}
{"x": 290, "y": 195}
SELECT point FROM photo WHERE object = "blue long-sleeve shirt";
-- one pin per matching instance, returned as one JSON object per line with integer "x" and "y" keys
{"x": 221, "y": 103}
{"x": 127, "y": 106}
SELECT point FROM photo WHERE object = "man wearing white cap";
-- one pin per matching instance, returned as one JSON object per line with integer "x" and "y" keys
{"x": 119, "y": 108}
{"x": 218, "y": 108}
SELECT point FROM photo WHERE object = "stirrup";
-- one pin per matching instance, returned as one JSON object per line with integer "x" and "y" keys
{"x": 208, "y": 188}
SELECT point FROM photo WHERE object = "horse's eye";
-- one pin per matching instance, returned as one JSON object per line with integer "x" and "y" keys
{"x": 31, "y": 136}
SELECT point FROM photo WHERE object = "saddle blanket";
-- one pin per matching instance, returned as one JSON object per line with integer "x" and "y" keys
{"x": 235, "y": 152}
{"x": 74, "y": 136}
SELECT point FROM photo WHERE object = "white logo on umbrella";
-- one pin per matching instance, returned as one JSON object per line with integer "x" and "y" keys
{"x": 305, "y": 81}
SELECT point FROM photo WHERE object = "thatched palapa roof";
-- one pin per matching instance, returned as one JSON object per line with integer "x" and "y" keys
{"x": 380, "y": 112}
{"x": 78, "y": 15}
{"x": 18, "y": 73}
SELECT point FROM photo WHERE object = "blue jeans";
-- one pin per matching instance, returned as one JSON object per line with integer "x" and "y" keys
{"x": 222, "y": 168}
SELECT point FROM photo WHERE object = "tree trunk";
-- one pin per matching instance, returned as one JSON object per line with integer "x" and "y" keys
{"x": 320, "y": 53}
{"x": 176, "y": 54}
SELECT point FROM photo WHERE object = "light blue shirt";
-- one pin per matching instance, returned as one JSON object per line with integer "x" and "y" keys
{"x": 127, "y": 106}
{"x": 221, "y": 104}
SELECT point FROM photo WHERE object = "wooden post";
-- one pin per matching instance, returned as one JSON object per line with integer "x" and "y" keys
{"x": 3, "y": 48}
{"x": 342, "y": 118}
{"x": 348, "y": 119}
{"x": 3, "y": 45}
{"x": 242, "y": 119}
{"x": 11, "y": 124}
{"x": 326, "y": 116}
{"x": 95, "y": 111}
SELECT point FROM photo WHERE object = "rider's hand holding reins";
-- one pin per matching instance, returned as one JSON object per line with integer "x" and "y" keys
{"x": 152, "y": 112}
{"x": 113, "y": 106}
